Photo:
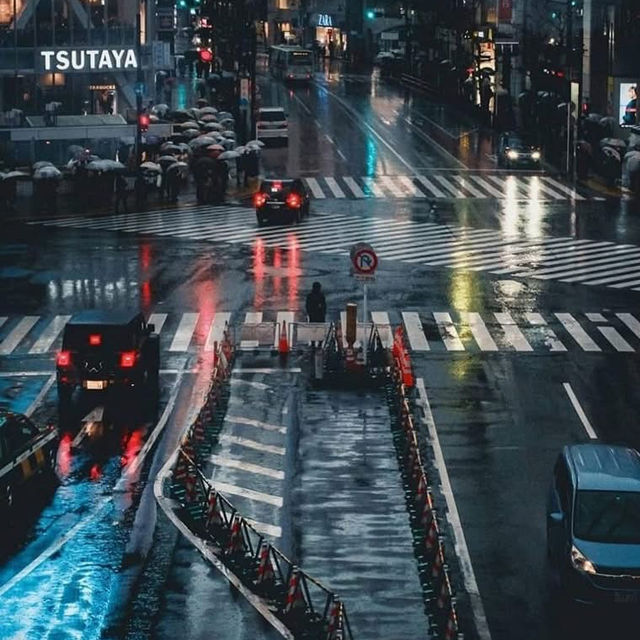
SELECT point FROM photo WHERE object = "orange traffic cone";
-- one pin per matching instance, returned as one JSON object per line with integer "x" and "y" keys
{"x": 235, "y": 539}
{"x": 438, "y": 562}
{"x": 283, "y": 342}
{"x": 295, "y": 599}
{"x": 431, "y": 540}
{"x": 190, "y": 484}
{"x": 213, "y": 513}
{"x": 444, "y": 595}
{"x": 266, "y": 574}
{"x": 334, "y": 619}
{"x": 451, "y": 630}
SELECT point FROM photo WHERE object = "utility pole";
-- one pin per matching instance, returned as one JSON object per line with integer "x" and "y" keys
{"x": 139, "y": 91}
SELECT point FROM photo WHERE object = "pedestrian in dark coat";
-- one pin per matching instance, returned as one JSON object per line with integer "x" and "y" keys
{"x": 121, "y": 193}
{"x": 316, "y": 304}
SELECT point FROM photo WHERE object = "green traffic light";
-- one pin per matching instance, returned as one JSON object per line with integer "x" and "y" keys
{"x": 182, "y": 4}
{"x": 371, "y": 15}
{"x": 554, "y": 15}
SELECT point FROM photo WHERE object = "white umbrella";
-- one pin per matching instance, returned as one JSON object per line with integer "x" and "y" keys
{"x": 229, "y": 134}
{"x": 160, "y": 109}
{"x": 228, "y": 143}
{"x": 202, "y": 141}
{"x": 151, "y": 166}
{"x": 224, "y": 114}
{"x": 208, "y": 110}
{"x": 228, "y": 155}
{"x": 191, "y": 133}
{"x": 176, "y": 166}
{"x": 42, "y": 163}
{"x": 15, "y": 174}
{"x": 255, "y": 143}
{"x": 213, "y": 126}
{"x": 184, "y": 147}
{"x": 228, "y": 123}
{"x": 209, "y": 117}
{"x": 46, "y": 172}
{"x": 169, "y": 147}
{"x": 166, "y": 160}
{"x": 215, "y": 147}
{"x": 240, "y": 149}
{"x": 189, "y": 124}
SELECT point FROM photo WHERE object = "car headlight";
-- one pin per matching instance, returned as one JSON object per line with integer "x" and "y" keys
{"x": 580, "y": 562}
{"x": 535, "y": 155}
{"x": 512, "y": 155}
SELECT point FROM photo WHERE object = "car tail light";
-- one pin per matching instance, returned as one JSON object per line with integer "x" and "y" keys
{"x": 127, "y": 359}
{"x": 259, "y": 199}
{"x": 63, "y": 359}
{"x": 95, "y": 339}
{"x": 276, "y": 186}
{"x": 294, "y": 201}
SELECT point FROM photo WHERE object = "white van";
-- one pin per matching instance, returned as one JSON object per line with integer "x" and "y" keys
{"x": 272, "y": 123}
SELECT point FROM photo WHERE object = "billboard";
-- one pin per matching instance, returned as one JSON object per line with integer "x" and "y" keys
{"x": 628, "y": 103}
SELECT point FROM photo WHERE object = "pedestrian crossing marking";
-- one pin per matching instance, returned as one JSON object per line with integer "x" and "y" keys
{"x": 431, "y": 188}
{"x": 335, "y": 187}
{"x": 375, "y": 190}
{"x": 252, "y": 444}
{"x": 251, "y": 494}
{"x": 314, "y": 187}
{"x": 354, "y": 186}
{"x": 488, "y": 332}
{"x": 233, "y": 463}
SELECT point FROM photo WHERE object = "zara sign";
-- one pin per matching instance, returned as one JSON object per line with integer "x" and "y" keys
{"x": 85, "y": 60}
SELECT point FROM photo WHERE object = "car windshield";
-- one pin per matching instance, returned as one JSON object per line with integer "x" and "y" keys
{"x": 608, "y": 516}
{"x": 272, "y": 116}
{"x": 516, "y": 142}
{"x": 299, "y": 58}
{"x": 82, "y": 337}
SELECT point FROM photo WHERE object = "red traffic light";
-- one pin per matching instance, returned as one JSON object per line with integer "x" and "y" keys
{"x": 143, "y": 121}
{"x": 205, "y": 55}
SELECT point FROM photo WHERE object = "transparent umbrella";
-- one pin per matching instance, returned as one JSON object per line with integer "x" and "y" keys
{"x": 208, "y": 111}
{"x": 47, "y": 172}
{"x": 229, "y": 155}
{"x": 42, "y": 163}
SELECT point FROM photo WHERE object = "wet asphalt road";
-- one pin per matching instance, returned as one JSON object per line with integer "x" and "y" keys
{"x": 501, "y": 416}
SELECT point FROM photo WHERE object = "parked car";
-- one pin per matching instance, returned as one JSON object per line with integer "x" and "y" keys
{"x": 26, "y": 453}
{"x": 281, "y": 200}
{"x": 593, "y": 524}
{"x": 272, "y": 124}
{"x": 518, "y": 150}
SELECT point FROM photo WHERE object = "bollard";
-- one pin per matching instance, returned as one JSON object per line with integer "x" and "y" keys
{"x": 318, "y": 361}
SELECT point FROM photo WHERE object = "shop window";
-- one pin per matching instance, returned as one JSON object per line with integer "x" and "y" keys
{"x": 282, "y": 4}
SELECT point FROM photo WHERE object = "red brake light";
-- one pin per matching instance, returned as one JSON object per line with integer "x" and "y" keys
{"x": 95, "y": 339}
{"x": 259, "y": 199}
{"x": 63, "y": 359}
{"x": 127, "y": 359}
{"x": 276, "y": 186}
{"x": 293, "y": 200}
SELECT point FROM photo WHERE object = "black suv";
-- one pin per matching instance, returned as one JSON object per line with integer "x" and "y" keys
{"x": 103, "y": 350}
{"x": 281, "y": 200}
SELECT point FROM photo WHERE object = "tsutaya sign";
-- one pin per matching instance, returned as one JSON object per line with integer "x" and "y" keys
{"x": 85, "y": 60}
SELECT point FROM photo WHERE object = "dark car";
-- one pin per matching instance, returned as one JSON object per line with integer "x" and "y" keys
{"x": 281, "y": 200}
{"x": 104, "y": 350}
{"x": 593, "y": 524}
{"x": 518, "y": 150}
{"x": 26, "y": 452}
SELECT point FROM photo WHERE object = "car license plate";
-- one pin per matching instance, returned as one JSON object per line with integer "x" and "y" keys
{"x": 95, "y": 385}
{"x": 625, "y": 597}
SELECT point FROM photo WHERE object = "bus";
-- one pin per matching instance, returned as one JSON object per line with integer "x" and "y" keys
{"x": 291, "y": 63}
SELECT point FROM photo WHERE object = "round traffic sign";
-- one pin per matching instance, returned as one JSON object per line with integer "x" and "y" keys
{"x": 364, "y": 259}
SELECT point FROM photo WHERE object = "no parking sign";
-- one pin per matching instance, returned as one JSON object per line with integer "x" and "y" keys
{"x": 364, "y": 261}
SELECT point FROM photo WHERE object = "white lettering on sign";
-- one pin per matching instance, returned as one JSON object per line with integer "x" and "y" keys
{"x": 88, "y": 59}
{"x": 325, "y": 20}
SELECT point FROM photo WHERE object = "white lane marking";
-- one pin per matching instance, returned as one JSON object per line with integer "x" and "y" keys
{"x": 41, "y": 395}
{"x": 268, "y": 529}
{"x": 329, "y": 138}
{"x": 465, "y": 184}
{"x": 182, "y": 338}
{"x": 460, "y": 543}
{"x": 288, "y": 317}
{"x": 237, "y": 372}
{"x": 535, "y": 184}
{"x": 577, "y": 332}
{"x": 381, "y": 320}
{"x": 415, "y": 332}
{"x": 158, "y": 320}
{"x": 631, "y": 322}
{"x": 448, "y": 331}
{"x": 253, "y": 317}
{"x": 479, "y": 330}
{"x": 250, "y": 383}
{"x": 333, "y": 185}
{"x": 551, "y": 339}
{"x": 257, "y": 424}
{"x": 341, "y": 154}
{"x": 216, "y": 331}
{"x": 48, "y": 336}
{"x": 512, "y": 332}
{"x": 487, "y": 186}
{"x": 431, "y": 187}
{"x": 250, "y": 494}
{"x": 411, "y": 187}
{"x": 580, "y": 411}
{"x": 571, "y": 192}
{"x": 373, "y": 186}
{"x": 17, "y": 334}
{"x": 449, "y": 187}
{"x": 53, "y": 548}
{"x": 317, "y": 192}
{"x": 616, "y": 340}
{"x": 232, "y": 463}
{"x": 355, "y": 187}
{"x": 252, "y": 444}
{"x": 388, "y": 182}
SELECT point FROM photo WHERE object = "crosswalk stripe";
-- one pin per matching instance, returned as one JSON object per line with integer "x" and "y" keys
{"x": 14, "y": 337}
{"x": 631, "y": 322}
{"x": 424, "y": 181}
{"x": 466, "y": 185}
{"x": 49, "y": 335}
{"x": 381, "y": 320}
{"x": 448, "y": 331}
{"x": 591, "y": 253}
{"x": 388, "y": 182}
{"x": 373, "y": 187}
{"x": 608, "y": 269}
{"x": 441, "y": 242}
{"x": 252, "y": 444}
{"x": 415, "y": 332}
{"x": 267, "y": 529}
{"x": 158, "y": 320}
{"x": 536, "y": 320}
{"x": 288, "y": 317}
{"x": 313, "y": 185}
{"x": 611, "y": 334}
{"x": 253, "y": 317}
{"x": 402, "y": 232}
{"x": 216, "y": 330}
{"x": 557, "y": 185}
{"x": 627, "y": 282}
{"x": 240, "y": 465}
{"x": 511, "y": 187}
{"x": 537, "y": 185}
{"x": 512, "y": 332}
{"x": 449, "y": 187}
{"x": 334, "y": 187}
{"x": 486, "y": 186}
{"x": 250, "y": 494}
{"x": 256, "y": 424}
{"x": 182, "y": 338}
{"x": 354, "y": 186}
{"x": 411, "y": 187}
{"x": 444, "y": 248}
{"x": 576, "y": 331}
{"x": 479, "y": 330}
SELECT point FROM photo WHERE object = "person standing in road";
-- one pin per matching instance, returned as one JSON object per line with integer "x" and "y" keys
{"x": 121, "y": 193}
{"x": 316, "y": 305}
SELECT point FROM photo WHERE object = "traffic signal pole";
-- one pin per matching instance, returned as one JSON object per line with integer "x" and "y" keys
{"x": 139, "y": 86}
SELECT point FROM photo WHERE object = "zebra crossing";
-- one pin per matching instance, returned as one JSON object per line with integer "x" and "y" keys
{"x": 558, "y": 258}
{"x": 510, "y": 187}
{"x": 426, "y": 331}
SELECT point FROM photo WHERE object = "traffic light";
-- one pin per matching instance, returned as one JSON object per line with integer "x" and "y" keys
{"x": 182, "y": 4}
{"x": 143, "y": 122}
{"x": 205, "y": 55}
{"x": 370, "y": 14}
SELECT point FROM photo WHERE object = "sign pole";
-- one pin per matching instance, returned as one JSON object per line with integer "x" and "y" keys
{"x": 364, "y": 311}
